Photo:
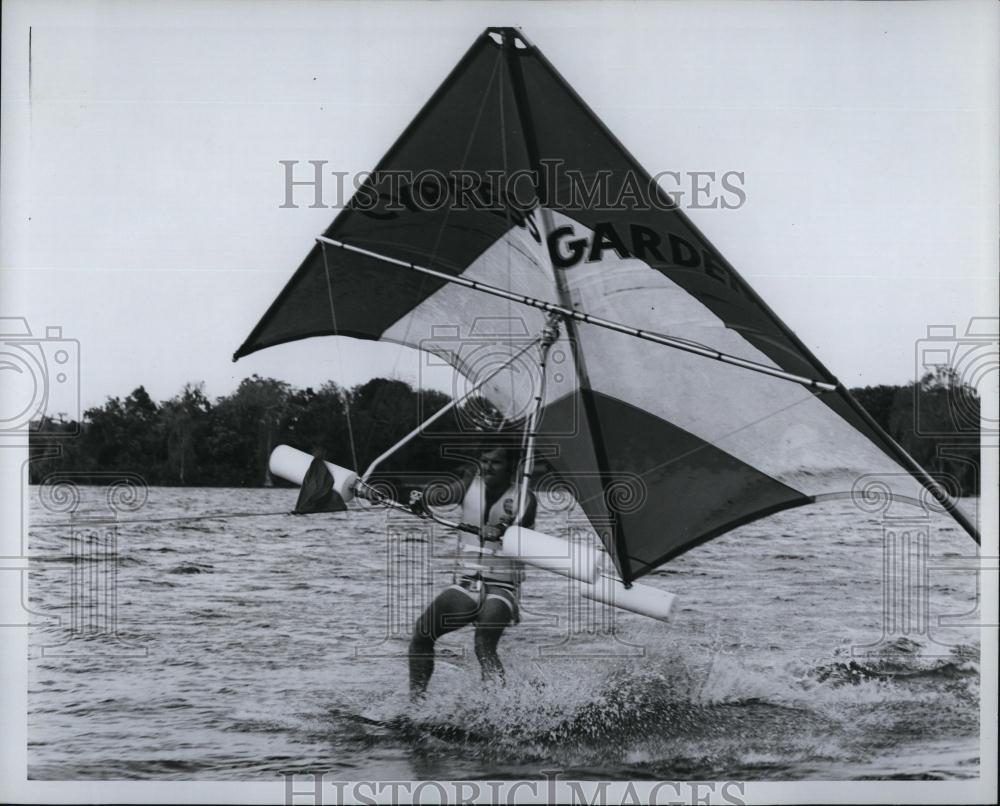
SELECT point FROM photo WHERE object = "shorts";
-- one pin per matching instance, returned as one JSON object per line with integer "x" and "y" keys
{"x": 480, "y": 590}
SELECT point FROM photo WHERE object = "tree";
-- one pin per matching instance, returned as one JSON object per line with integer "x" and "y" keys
{"x": 246, "y": 428}
{"x": 183, "y": 420}
{"x": 939, "y": 412}
{"x": 318, "y": 420}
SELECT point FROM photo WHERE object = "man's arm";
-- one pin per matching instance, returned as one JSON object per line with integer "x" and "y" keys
{"x": 528, "y": 520}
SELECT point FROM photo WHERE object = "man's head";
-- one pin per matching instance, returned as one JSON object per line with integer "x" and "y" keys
{"x": 497, "y": 466}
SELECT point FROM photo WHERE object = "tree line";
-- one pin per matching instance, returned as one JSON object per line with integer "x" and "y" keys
{"x": 936, "y": 421}
{"x": 193, "y": 440}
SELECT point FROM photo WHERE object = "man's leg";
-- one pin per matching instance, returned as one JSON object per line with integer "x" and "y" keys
{"x": 450, "y": 610}
{"x": 493, "y": 619}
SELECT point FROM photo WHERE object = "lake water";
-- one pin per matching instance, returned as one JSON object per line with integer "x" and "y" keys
{"x": 187, "y": 647}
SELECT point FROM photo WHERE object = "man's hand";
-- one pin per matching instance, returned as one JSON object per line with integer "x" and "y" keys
{"x": 416, "y": 504}
{"x": 493, "y": 532}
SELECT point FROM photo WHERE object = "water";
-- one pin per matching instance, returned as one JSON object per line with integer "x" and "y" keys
{"x": 244, "y": 647}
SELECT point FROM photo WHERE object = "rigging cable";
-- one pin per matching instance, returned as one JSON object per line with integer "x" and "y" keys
{"x": 340, "y": 359}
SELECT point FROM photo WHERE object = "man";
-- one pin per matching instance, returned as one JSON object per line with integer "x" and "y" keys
{"x": 485, "y": 585}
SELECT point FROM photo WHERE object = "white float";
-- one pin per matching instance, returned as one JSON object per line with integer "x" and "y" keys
{"x": 550, "y": 553}
{"x": 291, "y": 465}
{"x": 581, "y": 562}
{"x": 641, "y": 599}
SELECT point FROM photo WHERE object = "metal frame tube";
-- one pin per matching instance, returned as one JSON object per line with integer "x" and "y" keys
{"x": 580, "y": 316}
{"x": 440, "y": 413}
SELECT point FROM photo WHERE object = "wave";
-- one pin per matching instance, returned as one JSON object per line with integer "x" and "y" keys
{"x": 682, "y": 717}
{"x": 901, "y": 661}
{"x": 191, "y": 568}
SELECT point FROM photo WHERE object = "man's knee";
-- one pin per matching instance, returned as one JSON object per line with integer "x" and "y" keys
{"x": 495, "y": 616}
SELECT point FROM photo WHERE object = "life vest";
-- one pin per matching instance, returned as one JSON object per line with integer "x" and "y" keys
{"x": 490, "y": 565}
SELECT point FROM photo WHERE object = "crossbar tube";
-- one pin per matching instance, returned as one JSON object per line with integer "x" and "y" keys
{"x": 580, "y": 316}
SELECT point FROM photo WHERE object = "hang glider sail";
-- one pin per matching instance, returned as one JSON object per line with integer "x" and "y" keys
{"x": 676, "y": 405}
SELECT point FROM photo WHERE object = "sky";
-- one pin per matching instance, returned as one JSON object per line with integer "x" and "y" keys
{"x": 142, "y": 187}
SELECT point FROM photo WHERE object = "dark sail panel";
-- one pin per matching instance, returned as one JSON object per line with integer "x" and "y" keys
{"x": 466, "y": 129}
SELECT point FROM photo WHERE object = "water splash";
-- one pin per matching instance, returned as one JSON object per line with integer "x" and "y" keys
{"x": 767, "y": 717}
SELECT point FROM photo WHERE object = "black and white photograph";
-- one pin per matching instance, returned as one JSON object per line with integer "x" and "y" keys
{"x": 478, "y": 402}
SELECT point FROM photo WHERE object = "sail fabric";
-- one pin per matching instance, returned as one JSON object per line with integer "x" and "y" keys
{"x": 467, "y": 128}
{"x": 663, "y": 449}
{"x": 317, "y": 493}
